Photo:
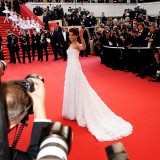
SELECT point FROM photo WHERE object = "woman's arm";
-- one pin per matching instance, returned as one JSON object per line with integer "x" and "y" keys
{"x": 83, "y": 45}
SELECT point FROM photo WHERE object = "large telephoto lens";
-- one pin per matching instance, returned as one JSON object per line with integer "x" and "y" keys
{"x": 56, "y": 142}
{"x": 116, "y": 152}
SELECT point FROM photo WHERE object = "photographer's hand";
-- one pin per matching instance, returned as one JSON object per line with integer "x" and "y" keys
{"x": 1, "y": 72}
{"x": 38, "y": 97}
{"x": 2, "y": 68}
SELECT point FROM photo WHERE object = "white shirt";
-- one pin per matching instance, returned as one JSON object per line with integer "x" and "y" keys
{"x": 64, "y": 35}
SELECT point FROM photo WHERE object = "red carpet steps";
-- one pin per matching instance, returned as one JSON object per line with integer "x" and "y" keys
{"x": 7, "y": 26}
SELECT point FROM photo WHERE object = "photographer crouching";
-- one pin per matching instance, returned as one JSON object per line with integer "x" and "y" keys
{"x": 17, "y": 102}
{"x": 48, "y": 140}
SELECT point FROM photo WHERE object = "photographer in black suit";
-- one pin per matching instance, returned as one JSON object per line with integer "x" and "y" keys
{"x": 152, "y": 69}
{"x": 45, "y": 19}
{"x": 86, "y": 37}
{"x": 55, "y": 41}
{"x": 64, "y": 42}
{"x": 92, "y": 22}
{"x": 15, "y": 98}
{"x": 154, "y": 36}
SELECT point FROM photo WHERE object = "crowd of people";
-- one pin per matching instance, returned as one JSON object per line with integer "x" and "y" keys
{"x": 140, "y": 32}
{"x": 38, "y": 41}
{"x": 133, "y": 29}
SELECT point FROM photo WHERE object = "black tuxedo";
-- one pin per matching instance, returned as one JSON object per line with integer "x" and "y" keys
{"x": 15, "y": 49}
{"x": 64, "y": 43}
{"x": 92, "y": 22}
{"x": 142, "y": 38}
{"x": 55, "y": 41}
{"x": 103, "y": 20}
{"x": 38, "y": 38}
{"x": 45, "y": 21}
{"x": 106, "y": 57}
{"x": 85, "y": 22}
{"x": 86, "y": 52}
{"x": 43, "y": 46}
{"x": 33, "y": 148}
{"x": 8, "y": 41}
{"x": 156, "y": 39}
{"x": 25, "y": 45}
{"x": 34, "y": 38}
{"x": 58, "y": 28}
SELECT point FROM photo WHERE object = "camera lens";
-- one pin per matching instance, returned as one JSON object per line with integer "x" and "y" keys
{"x": 55, "y": 142}
{"x": 27, "y": 84}
{"x": 116, "y": 152}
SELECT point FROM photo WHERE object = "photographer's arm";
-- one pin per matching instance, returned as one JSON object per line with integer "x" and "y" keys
{"x": 40, "y": 120}
{"x": 38, "y": 97}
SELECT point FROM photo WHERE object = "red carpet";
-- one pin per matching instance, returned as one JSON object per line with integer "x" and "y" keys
{"x": 132, "y": 98}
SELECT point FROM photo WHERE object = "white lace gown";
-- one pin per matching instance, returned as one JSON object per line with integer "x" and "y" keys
{"x": 82, "y": 103}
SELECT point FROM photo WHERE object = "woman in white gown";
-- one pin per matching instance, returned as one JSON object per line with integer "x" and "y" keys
{"x": 82, "y": 103}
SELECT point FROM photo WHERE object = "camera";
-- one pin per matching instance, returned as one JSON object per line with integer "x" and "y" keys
{"x": 27, "y": 83}
{"x": 55, "y": 142}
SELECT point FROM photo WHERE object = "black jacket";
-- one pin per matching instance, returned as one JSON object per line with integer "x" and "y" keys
{"x": 33, "y": 148}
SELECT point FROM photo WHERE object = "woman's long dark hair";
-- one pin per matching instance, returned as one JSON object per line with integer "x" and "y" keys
{"x": 75, "y": 31}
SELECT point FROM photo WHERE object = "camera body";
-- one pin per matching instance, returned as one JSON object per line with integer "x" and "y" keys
{"x": 27, "y": 83}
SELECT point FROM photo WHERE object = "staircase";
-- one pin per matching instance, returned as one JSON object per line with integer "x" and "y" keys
{"x": 3, "y": 28}
{"x": 7, "y": 26}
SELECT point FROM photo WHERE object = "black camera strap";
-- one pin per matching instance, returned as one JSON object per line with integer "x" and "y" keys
{"x": 18, "y": 134}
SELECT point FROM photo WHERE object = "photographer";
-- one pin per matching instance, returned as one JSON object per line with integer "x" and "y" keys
{"x": 17, "y": 102}
{"x": 152, "y": 69}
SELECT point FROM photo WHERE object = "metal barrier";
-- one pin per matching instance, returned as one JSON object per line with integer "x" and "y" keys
{"x": 133, "y": 58}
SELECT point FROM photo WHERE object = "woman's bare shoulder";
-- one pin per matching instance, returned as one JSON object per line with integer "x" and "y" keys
{"x": 77, "y": 47}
